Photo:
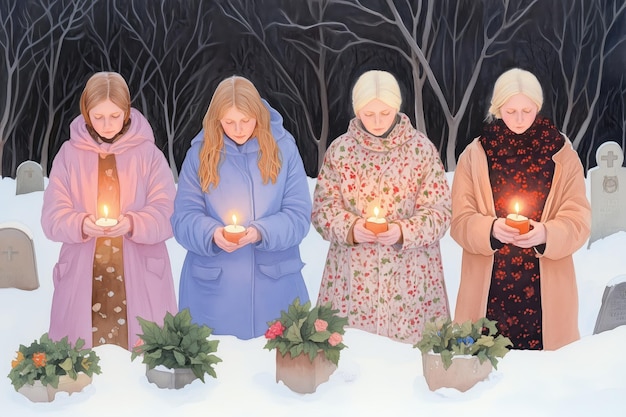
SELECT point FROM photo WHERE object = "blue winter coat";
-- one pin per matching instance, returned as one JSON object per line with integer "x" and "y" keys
{"x": 238, "y": 293}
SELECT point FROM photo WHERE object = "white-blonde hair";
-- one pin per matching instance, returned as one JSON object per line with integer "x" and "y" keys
{"x": 512, "y": 82}
{"x": 379, "y": 85}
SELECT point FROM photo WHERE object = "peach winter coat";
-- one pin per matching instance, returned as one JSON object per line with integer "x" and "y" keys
{"x": 567, "y": 218}
{"x": 391, "y": 290}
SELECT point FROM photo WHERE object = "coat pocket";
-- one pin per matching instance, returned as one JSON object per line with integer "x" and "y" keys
{"x": 280, "y": 269}
{"x": 155, "y": 266}
{"x": 205, "y": 273}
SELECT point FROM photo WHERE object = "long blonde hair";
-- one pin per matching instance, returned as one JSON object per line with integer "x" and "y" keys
{"x": 242, "y": 94}
{"x": 103, "y": 86}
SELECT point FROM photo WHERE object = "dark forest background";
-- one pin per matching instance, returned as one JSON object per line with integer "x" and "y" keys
{"x": 303, "y": 56}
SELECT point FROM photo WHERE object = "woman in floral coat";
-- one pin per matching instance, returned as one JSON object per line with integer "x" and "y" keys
{"x": 389, "y": 283}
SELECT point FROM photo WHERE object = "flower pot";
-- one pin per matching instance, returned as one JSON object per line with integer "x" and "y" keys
{"x": 300, "y": 374}
{"x": 175, "y": 378}
{"x": 463, "y": 374}
{"x": 37, "y": 392}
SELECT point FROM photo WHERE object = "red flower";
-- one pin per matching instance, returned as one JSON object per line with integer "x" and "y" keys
{"x": 275, "y": 330}
{"x": 335, "y": 339}
{"x": 39, "y": 359}
{"x": 320, "y": 325}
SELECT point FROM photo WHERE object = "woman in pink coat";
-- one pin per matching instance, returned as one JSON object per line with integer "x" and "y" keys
{"x": 526, "y": 282}
{"x": 390, "y": 283}
{"x": 109, "y": 201}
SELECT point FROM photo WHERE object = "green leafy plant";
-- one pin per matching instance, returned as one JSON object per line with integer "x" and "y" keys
{"x": 477, "y": 338}
{"x": 46, "y": 360}
{"x": 179, "y": 343}
{"x": 302, "y": 329}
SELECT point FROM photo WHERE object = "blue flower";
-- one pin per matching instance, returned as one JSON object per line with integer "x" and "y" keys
{"x": 468, "y": 341}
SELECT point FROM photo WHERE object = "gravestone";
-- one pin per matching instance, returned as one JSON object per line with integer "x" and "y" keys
{"x": 29, "y": 178}
{"x": 608, "y": 192}
{"x": 18, "y": 267}
{"x": 613, "y": 310}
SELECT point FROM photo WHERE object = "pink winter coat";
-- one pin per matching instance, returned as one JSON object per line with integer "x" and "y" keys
{"x": 147, "y": 193}
{"x": 388, "y": 290}
{"x": 567, "y": 217}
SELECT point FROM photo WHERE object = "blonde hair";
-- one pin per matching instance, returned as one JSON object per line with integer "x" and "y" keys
{"x": 240, "y": 93}
{"x": 379, "y": 85}
{"x": 512, "y": 82}
{"x": 105, "y": 86}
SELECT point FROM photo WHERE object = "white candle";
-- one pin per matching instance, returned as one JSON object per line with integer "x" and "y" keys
{"x": 376, "y": 224}
{"x": 105, "y": 221}
{"x": 234, "y": 232}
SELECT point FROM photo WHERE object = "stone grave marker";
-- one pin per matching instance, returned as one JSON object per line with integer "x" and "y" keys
{"x": 29, "y": 178}
{"x": 18, "y": 267}
{"x": 608, "y": 192}
{"x": 613, "y": 309}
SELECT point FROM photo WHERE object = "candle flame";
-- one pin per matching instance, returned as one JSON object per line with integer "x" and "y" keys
{"x": 376, "y": 211}
{"x": 517, "y": 208}
{"x": 234, "y": 219}
{"x": 106, "y": 211}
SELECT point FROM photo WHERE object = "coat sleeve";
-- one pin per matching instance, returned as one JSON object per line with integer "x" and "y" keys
{"x": 62, "y": 214}
{"x": 431, "y": 218}
{"x": 289, "y": 226}
{"x": 330, "y": 217}
{"x": 472, "y": 205}
{"x": 192, "y": 227}
{"x": 151, "y": 224}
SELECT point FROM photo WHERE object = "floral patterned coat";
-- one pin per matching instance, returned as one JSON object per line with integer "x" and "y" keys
{"x": 388, "y": 290}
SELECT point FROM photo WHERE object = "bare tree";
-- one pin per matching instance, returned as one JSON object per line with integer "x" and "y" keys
{"x": 583, "y": 47}
{"x": 173, "y": 52}
{"x": 20, "y": 46}
{"x": 497, "y": 29}
{"x": 62, "y": 18}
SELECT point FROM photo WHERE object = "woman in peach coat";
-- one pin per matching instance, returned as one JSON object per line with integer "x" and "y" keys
{"x": 526, "y": 282}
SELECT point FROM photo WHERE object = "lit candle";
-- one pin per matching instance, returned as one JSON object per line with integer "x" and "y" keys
{"x": 105, "y": 221}
{"x": 376, "y": 224}
{"x": 518, "y": 221}
{"x": 234, "y": 232}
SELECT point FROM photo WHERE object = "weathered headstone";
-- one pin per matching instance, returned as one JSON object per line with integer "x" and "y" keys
{"x": 18, "y": 267}
{"x": 29, "y": 178}
{"x": 613, "y": 309}
{"x": 608, "y": 192}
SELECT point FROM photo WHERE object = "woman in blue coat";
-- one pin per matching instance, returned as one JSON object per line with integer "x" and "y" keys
{"x": 243, "y": 163}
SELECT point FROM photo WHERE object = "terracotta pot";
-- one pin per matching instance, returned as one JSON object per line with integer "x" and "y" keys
{"x": 164, "y": 377}
{"x": 463, "y": 374}
{"x": 37, "y": 392}
{"x": 301, "y": 375}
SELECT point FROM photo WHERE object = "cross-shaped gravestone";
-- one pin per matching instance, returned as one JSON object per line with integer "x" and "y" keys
{"x": 608, "y": 192}
{"x": 18, "y": 268}
{"x": 29, "y": 178}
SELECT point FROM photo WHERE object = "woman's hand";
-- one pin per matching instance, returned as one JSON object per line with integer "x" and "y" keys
{"x": 361, "y": 234}
{"x": 392, "y": 236}
{"x": 251, "y": 236}
{"x": 91, "y": 229}
{"x": 508, "y": 234}
{"x": 124, "y": 225}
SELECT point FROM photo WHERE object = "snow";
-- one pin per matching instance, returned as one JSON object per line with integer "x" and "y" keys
{"x": 376, "y": 376}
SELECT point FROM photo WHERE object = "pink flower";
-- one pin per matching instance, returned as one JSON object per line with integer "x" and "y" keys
{"x": 335, "y": 339}
{"x": 138, "y": 343}
{"x": 275, "y": 330}
{"x": 320, "y": 325}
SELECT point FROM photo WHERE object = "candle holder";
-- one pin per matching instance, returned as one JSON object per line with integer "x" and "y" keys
{"x": 234, "y": 232}
{"x": 376, "y": 224}
{"x": 519, "y": 222}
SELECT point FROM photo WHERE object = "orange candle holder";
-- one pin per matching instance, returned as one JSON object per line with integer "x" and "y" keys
{"x": 376, "y": 224}
{"x": 519, "y": 222}
{"x": 234, "y": 232}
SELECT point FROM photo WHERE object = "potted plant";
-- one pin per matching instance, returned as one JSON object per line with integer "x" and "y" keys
{"x": 177, "y": 352}
{"x": 458, "y": 355}
{"x": 46, "y": 367}
{"x": 308, "y": 342}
